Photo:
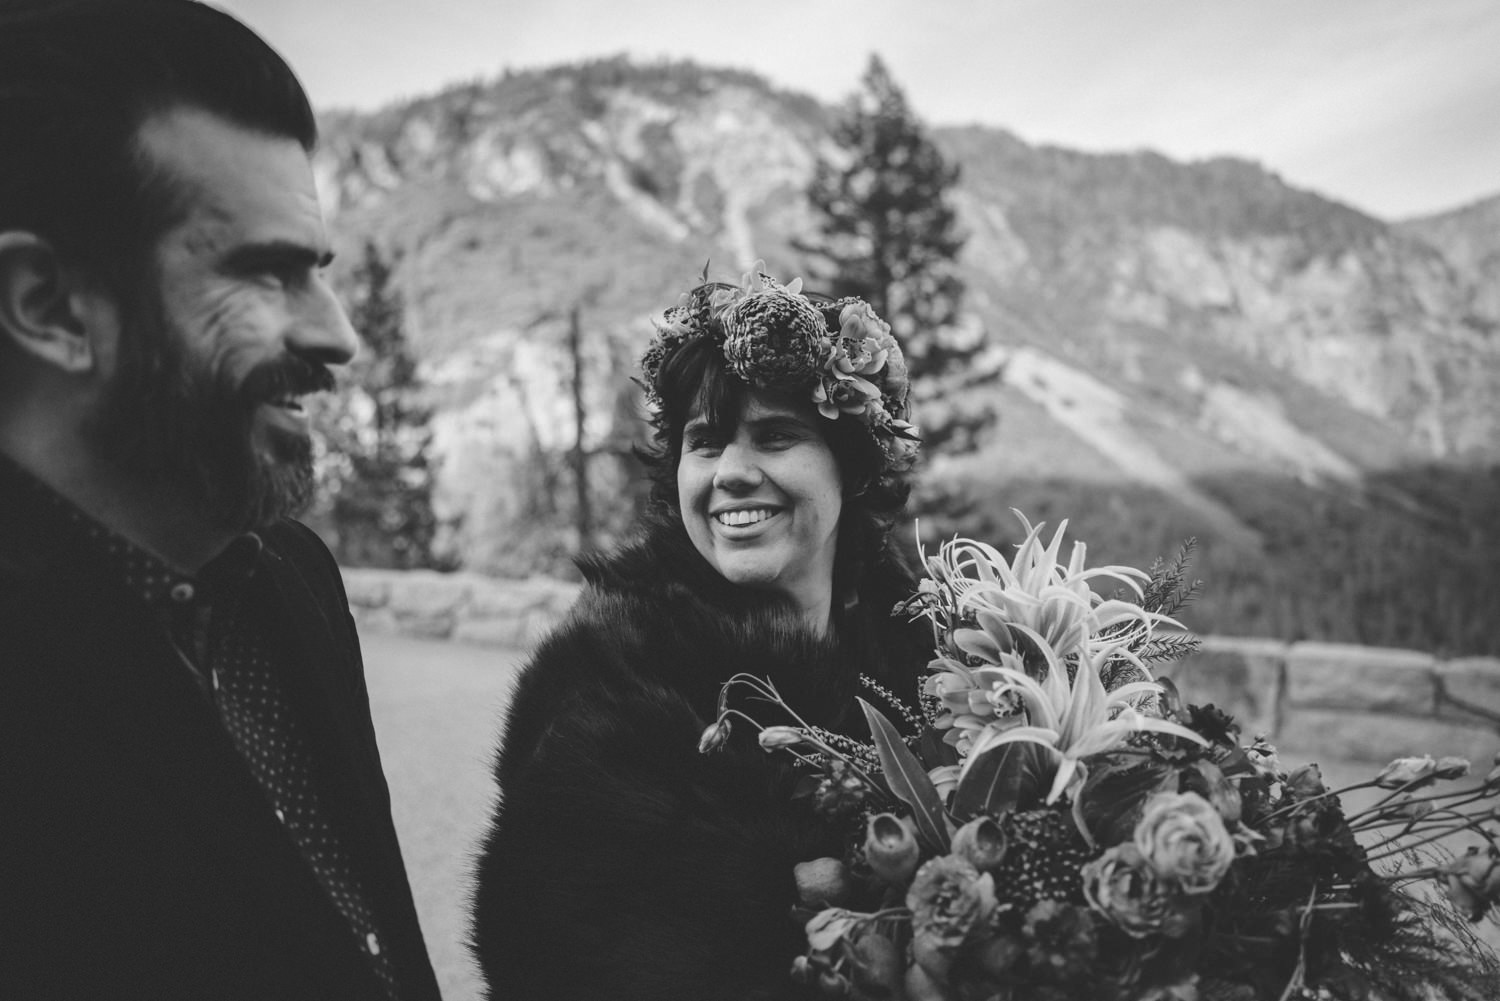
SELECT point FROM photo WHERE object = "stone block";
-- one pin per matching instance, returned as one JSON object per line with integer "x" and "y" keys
{"x": 558, "y": 596}
{"x": 1243, "y": 677}
{"x": 433, "y": 627}
{"x": 374, "y": 620}
{"x": 367, "y": 588}
{"x": 1469, "y": 687}
{"x": 427, "y": 595}
{"x": 1379, "y": 737}
{"x": 1371, "y": 679}
{"x": 492, "y": 598}
{"x": 500, "y": 631}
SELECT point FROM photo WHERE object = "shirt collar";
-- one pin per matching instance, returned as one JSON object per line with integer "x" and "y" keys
{"x": 110, "y": 554}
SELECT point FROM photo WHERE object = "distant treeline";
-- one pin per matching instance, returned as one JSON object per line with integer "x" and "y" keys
{"x": 1412, "y": 561}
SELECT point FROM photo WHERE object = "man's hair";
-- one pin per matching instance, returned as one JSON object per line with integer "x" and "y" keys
{"x": 78, "y": 78}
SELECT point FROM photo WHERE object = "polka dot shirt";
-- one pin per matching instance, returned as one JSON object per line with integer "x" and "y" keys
{"x": 225, "y": 642}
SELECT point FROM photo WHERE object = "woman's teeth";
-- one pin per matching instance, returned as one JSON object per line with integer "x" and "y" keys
{"x": 736, "y": 519}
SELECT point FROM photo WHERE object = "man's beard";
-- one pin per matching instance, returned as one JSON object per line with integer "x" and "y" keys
{"x": 169, "y": 420}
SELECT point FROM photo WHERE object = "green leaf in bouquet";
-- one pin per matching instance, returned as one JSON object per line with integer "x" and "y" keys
{"x": 876, "y": 965}
{"x": 1009, "y": 777}
{"x": 908, "y": 780}
{"x": 1115, "y": 790}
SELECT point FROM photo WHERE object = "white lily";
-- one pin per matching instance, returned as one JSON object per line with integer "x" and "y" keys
{"x": 1073, "y": 720}
{"x": 1033, "y": 593}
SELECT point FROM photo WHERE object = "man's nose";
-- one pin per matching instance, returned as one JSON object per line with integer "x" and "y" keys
{"x": 737, "y": 468}
{"x": 321, "y": 331}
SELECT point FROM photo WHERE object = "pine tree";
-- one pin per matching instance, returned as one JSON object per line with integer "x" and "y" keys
{"x": 377, "y": 474}
{"x": 887, "y": 231}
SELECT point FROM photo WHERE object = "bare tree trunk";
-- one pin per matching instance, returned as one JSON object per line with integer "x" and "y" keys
{"x": 585, "y": 516}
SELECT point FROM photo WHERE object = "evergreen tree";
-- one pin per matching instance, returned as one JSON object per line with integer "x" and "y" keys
{"x": 887, "y": 231}
{"x": 377, "y": 476}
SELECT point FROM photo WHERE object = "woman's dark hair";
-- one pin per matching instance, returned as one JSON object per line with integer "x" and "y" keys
{"x": 696, "y": 378}
{"x": 78, "y": 78}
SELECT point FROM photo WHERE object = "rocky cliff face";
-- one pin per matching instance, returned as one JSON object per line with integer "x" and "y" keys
{"x": 1153, "y": 320}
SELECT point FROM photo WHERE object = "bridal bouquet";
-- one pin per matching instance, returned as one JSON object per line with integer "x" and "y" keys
{"x": 1054, "y": 824}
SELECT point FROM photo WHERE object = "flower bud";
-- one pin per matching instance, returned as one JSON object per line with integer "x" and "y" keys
{"x": 944, "y": 779}
{"x": 891, "y": 847}
{"x": 833, "y": 984}
{"x": 714, "y": 736}
{"x": 876, "y": 964}
{"x": 1409, "y": 807}
{"x": 823, "y": 881}
{"x": 1413, "y": 772}
{"x": 1306, "y": 782}
{"x": 1262, "y": 755}
{"x": 921, "y": 986}
{"x": 773, "y": 737}
{"x": 1210, "y": 782}
{"x": 1452, "y": 768}
{"x": 1473, "y": 882}
{"x": 982, "y": 842}
{"x": 997, "y": 956}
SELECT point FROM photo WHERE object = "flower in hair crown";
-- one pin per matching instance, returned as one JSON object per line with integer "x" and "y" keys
{"x": 840, "y": 352}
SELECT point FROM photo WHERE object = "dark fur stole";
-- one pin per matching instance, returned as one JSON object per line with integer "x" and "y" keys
{"x": 622, "y": 863}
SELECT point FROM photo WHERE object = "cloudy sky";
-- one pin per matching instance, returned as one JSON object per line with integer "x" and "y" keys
{"x": 1390, "y": 105}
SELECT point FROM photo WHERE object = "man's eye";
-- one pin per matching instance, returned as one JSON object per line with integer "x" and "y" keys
{"x": 290, "y": 275}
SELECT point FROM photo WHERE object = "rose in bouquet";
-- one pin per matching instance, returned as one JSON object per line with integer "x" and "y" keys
{"x": 1061, "y": 825}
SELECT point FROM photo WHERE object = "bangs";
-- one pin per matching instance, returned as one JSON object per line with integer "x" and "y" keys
{"x": 697, "y": 383}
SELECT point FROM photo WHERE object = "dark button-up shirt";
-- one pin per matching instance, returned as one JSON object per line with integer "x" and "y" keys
{"x": 225, "y": 639}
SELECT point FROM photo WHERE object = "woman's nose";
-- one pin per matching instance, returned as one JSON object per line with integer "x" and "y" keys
{"x": 737, "y": 468}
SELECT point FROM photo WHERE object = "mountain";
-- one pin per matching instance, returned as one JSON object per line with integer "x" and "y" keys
{"x": 1469, "y": 240}
{"x": 1183, "y": 348}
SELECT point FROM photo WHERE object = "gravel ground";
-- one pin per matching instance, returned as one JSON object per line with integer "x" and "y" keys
{"x": 438, "y": 708}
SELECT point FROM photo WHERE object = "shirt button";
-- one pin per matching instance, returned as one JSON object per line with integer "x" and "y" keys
{"x": 182, "y": 592}
{"x": 373, "y": 944}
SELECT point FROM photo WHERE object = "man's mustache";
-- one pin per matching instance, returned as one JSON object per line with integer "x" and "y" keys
{"x": 288, "y": 376}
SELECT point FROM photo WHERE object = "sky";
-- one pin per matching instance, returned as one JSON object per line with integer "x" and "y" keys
{"x": 1392, "y": 106}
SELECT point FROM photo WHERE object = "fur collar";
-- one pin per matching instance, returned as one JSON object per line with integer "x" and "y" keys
{"x": 660, "y": 594}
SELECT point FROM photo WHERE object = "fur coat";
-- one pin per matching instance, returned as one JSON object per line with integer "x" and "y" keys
{"x": 623, "y": 864}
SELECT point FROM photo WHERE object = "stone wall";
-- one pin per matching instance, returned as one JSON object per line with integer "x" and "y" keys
{"x": 1359, "y": 702}
{"x": 1328, "y": 699}
{"x": 466, "y": 607}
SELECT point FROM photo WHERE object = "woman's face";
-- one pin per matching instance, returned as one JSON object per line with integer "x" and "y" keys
{"x": 761, "y": 499}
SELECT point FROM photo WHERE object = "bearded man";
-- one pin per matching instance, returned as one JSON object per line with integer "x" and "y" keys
{"x": 191, "y": 798}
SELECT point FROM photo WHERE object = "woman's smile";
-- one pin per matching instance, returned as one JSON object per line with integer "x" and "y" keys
{"x": 742, "y": 518}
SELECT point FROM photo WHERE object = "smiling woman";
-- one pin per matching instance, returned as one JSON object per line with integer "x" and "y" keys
{"x": 622, "y": 863}
{"x": 760, "y": 496}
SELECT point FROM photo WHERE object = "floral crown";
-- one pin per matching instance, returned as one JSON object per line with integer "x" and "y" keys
{"x": 774, "y": 337}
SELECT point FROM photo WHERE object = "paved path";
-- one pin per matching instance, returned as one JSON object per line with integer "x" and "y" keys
{"x": 438, "y": 709}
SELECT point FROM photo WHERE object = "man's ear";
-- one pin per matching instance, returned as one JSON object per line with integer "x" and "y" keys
{"x": 48, "y": 309}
